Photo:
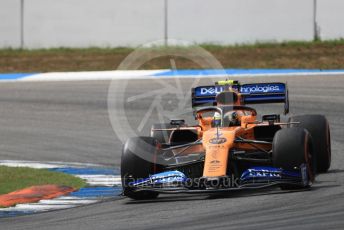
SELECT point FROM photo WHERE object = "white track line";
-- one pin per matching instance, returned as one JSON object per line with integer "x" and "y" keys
{"x": 65, "y": 201}
{"x": 150, "y": 74}
{"x": 92, "y": 75}
{"x": 102, "y": 180}
{"x": 48, "y": 205}
{"x": 105, "y": 183}
{"x": 36, "y": 207}
{"x": 45, "y": 165}
{"x": 153, "y": 74}
{"x": 300, "y": 74}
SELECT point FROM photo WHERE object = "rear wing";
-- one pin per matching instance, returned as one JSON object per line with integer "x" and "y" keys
{"x": 259, "y": 93}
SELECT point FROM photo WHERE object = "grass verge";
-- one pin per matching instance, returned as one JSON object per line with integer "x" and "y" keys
{"x": 309, "y": 55}
{"x": 16, "y": 178}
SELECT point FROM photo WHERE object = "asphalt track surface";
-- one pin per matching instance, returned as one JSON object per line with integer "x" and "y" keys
{"x": 68, "y": 121}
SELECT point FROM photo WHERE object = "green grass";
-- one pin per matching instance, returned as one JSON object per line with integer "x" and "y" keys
{"x": 328, "y": 43}
{"x": 294, "y": 54}
{"x": 16, "y": 178}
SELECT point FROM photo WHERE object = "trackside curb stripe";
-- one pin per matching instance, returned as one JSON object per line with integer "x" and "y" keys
{"x": 102, "y": 184}
{"x": 235, "y": 72}
{"x": 15, "y": 76}
{"x": 152, "y": 74}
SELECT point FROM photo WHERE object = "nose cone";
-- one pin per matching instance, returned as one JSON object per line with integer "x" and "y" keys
{"x": 217, "y": 145}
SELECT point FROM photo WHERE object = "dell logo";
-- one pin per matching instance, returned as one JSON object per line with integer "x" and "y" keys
{"x": 211, "y": 90}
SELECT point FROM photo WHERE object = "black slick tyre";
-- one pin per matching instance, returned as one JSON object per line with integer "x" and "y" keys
{"x": 291, "y": 148}
{"x": 318, "y": 127}
{"x": 138, "y": 162}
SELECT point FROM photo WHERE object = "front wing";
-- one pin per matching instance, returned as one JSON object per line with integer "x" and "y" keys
{"x": 252, "y": 178}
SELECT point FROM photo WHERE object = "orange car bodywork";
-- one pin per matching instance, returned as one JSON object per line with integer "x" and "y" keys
{"x": 217, "y": 143}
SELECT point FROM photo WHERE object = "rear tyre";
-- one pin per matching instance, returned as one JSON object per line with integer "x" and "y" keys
{"x": 162, "y": 136}
{"x": 318, "y": 127}
{"x": 291, "y": 148}
{"x": 137, "y": 162}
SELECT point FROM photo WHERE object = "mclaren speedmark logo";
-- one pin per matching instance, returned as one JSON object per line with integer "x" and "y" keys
{"x": 217, "y": 141}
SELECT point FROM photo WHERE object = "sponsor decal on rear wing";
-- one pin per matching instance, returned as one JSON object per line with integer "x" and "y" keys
{"x": 264, "y": 88}
{"x": 251, "y": 93}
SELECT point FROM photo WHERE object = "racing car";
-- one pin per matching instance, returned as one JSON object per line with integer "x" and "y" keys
{"x": 229, "y": 148}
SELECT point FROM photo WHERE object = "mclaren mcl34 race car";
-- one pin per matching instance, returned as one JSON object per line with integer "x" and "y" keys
{"x": 229, "y": 148}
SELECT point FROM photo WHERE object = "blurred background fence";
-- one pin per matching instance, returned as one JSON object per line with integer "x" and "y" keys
{"x": 114, "y": 23}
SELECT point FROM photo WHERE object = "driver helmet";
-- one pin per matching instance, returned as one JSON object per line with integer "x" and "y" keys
{"x": 231, "y": 118}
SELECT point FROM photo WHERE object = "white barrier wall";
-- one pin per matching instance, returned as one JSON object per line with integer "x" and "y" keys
{"x": 240, "y": 21}
{"x": 83, "y": 23}
{"x": 112, "y": 23}
{"x": 330, "y": 19}
{"x": 10, "y": 23}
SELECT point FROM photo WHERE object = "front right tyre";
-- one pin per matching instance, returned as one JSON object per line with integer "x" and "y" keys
{"x": 319, "y": 129}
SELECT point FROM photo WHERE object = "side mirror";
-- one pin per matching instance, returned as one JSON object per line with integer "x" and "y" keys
{"x": 178, "y": 122}
{"x": 271, "y": 118}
